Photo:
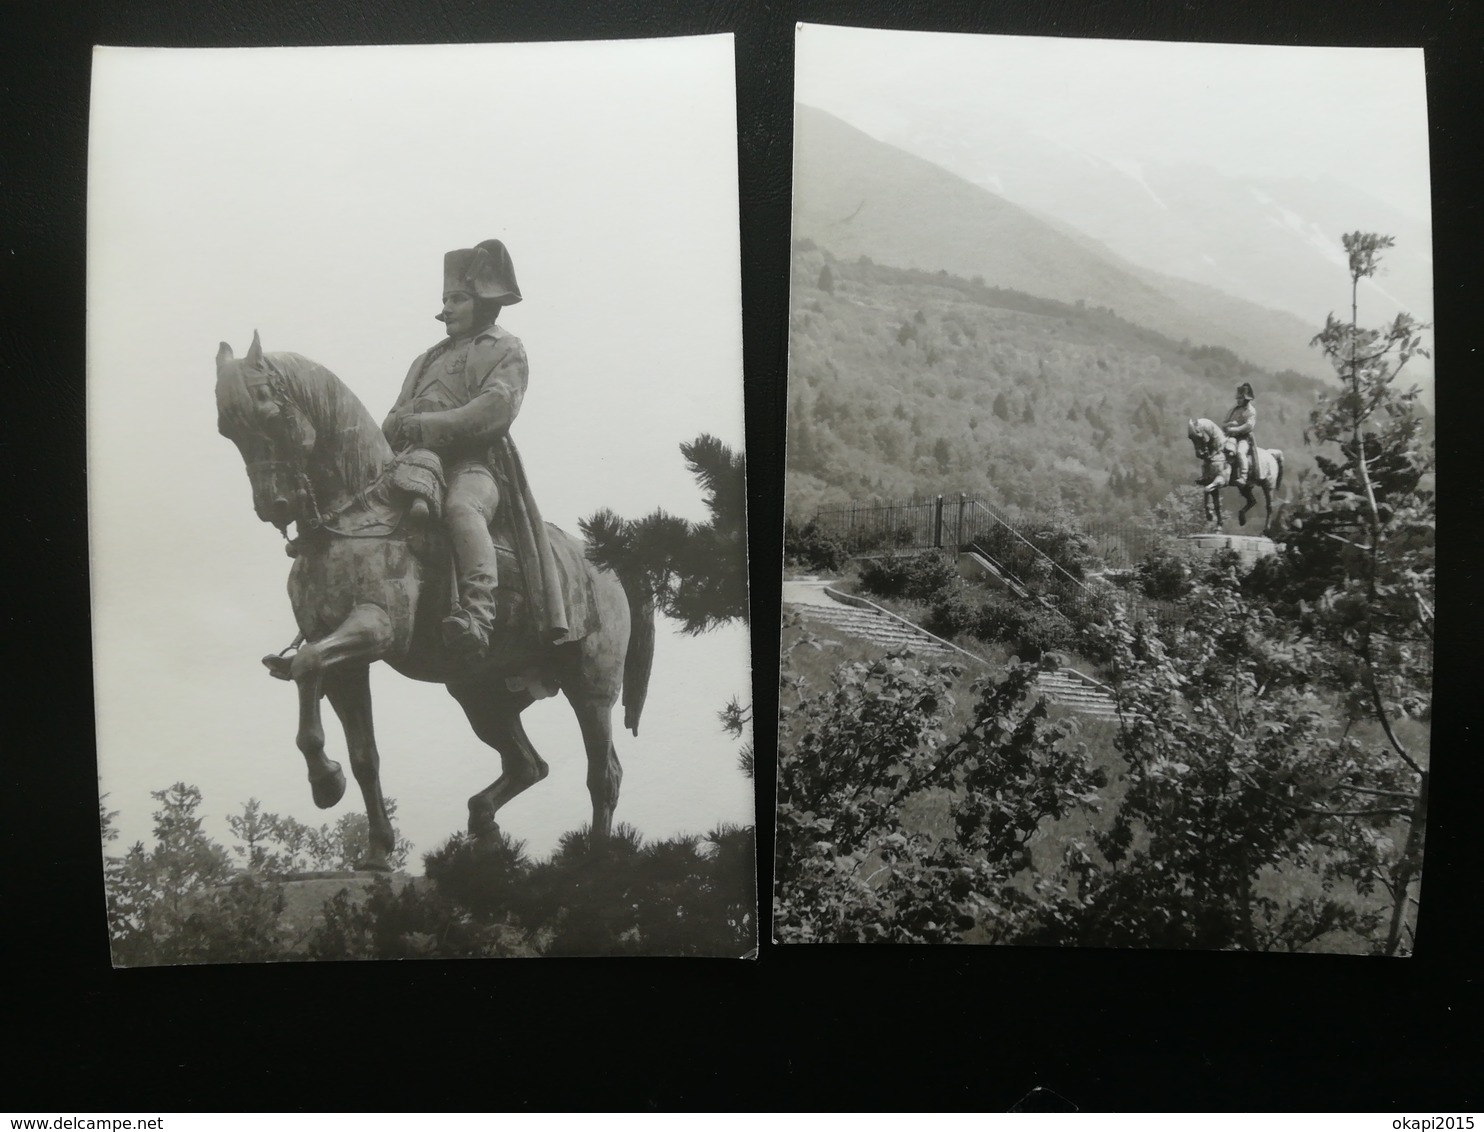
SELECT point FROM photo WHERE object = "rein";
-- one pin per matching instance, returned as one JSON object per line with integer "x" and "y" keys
{"x": 318, "y": 521}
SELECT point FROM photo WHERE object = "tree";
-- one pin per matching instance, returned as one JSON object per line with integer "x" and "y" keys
{"x": 1363, "y": 552}
{"x": 827, "y": 280}
{"x": 150, "y": 891}
{"x": 696, "y": 572}
{"x": 276, "y": 846}
{"x": 1234, "y": 776}
{"x": 849, "y": 869}
{"x": 943, "y": 454}
{"x": 681, "y": 896}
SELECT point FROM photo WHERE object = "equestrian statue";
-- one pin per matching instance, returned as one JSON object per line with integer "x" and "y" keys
{"x": 419, "y": 543}
{"x": 1230, "y": 458}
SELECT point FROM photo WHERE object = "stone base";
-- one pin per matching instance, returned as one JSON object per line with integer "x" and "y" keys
{"x": 304, "y": 895}
{"x": 1249, "y": 548}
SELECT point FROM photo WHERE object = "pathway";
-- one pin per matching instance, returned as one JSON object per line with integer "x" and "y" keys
{"x": 816, "y": 600}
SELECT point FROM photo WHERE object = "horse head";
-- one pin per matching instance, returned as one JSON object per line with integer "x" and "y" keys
{"x": 1206, "y": 437}
{"x": 274, "y": 435}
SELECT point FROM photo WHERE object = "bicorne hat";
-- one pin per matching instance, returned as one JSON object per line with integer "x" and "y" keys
{"x": 485, "y": 271}
{"x": 1245, "y": 390}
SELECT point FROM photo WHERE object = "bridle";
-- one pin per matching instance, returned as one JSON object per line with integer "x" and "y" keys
{"x": 282, "y": 399}
{"x": 1206, "y": 445}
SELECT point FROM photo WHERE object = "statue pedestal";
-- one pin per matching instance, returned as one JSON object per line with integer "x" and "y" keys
{"x": 1249, "y": 548}
{"x": 305, "y": 894}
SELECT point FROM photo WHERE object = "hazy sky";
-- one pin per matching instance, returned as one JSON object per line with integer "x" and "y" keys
{"x": 310, "y": 194}
{"x": 1357, "y": 114}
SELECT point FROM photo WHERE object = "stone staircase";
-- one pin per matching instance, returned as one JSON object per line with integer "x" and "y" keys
{"x": 1080, "y": 693}
{"x": 873, "y": 626}
{"x": 822, "y": 605}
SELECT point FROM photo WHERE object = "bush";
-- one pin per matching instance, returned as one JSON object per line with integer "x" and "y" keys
{"x": 1041, "y": 631}
{"x": 1164, "y": 576}
{"x": 916, "y": 577}
{"x": 956, "y": 612}
{"x": 680, "y": 896}
{"x": 1029, "y": 629}
{"x": 811, "y": 547}
{"x": 1025, "y": 553}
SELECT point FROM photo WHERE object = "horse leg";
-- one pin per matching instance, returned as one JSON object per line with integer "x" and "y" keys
{"x": 496, "y": 720}
{"x": 361, "y": 638}
{"x": 1246, "y": 490}
{"x": 1212, "y": 500}
{"x": 604, "y": 774}
{"x": 350, "y": 696}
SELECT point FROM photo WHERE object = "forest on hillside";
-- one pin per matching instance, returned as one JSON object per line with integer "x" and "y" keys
{"x": 905, "y": 384}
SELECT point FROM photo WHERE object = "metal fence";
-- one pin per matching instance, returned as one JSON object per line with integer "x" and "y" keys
{"x": 1119, "y": 544}
{"x": 1014, "y": 544}
{"x": 901, "y": 526}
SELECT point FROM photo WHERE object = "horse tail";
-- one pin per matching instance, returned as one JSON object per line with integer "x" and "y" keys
{"x": 639, "y": 658}
{"x": 1278, "y": 456}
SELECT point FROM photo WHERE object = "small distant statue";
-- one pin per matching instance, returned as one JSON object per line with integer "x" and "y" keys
{"x": 453, "y": 417}
{"x": 1240, "y": 422}
{"x": 1216, "y": 449}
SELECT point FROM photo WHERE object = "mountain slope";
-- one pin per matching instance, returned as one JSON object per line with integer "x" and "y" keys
{"x": 858, "y": 196}
{"x": 905, "y": 384}
{"x": 1272, "y": 241}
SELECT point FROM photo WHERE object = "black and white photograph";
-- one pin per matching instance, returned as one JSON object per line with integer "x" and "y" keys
{"x": 417, "y": 502}
{"x": 1109, "y": 587}
{"x": 296, "y": 293}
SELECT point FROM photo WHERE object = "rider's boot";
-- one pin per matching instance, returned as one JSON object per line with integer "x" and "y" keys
{"x": 467, "y": 631}
{"x": 1244, "y": 465}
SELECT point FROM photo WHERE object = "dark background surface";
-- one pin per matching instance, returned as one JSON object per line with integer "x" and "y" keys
{"x": 812, "y": 1028}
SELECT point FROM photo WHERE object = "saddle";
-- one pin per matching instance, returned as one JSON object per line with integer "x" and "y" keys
{"x": 417, "y": 475}
{"x": 1229, "y": 451}
{"x": 418, "y": 483}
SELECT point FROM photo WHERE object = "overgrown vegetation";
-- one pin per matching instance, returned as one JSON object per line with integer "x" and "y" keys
{"x": 849, "y": 869}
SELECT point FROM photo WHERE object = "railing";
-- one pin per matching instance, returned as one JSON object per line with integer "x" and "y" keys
{"x": 1120, "y": 544}
{"x": 1008, "y": 542}
{"x": 901, "y": 526}
{"x": 983, "y": 527}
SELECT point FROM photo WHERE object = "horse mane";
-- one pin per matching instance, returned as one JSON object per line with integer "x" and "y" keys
{"x": 357, "y": 452}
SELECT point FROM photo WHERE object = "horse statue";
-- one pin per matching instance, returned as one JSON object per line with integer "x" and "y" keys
{"x": 1210, "y": 443}
{"x": 372, "y": 579}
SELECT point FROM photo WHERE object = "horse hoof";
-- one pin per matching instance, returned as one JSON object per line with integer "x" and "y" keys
{"x": 483, "y": 828}
{"x": 487, "y": 844}
{"x": 376, "y": 863}
{"x": 328, "y": 789}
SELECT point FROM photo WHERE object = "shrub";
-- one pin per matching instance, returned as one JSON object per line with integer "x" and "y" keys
{"x": 679, "y": 896}
{"x": 1164, "y": 575}
{"x": 1041, "y": 631}
{"x": 811, "y": 547}
{"x": 916, "y": 577}
{"x": 955, "y": 612}
{"x": 1029, "y": 629}
{"x": 1043, "y": 550}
